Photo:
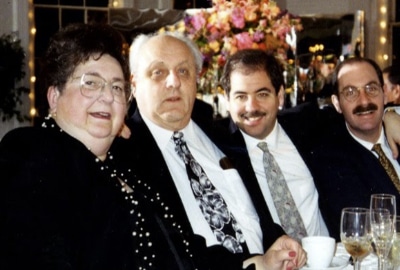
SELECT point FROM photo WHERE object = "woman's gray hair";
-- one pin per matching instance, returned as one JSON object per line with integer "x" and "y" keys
{"x": 141, "y": 39}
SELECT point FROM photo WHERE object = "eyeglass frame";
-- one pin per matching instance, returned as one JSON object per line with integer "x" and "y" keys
{"x": 127, "y": 89}
{"x": 357, "y": 91}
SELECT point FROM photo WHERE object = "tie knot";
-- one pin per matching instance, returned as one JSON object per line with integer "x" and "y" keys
{"x": 177, "y": 135}
{"x": 263, "y": 146}
{"x": 377, "y": 148}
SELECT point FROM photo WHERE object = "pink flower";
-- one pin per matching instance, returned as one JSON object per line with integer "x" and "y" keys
{"x": 258, "y": 36}
{"x": 238, "y": 18}
{"x": 244, "y": 40}
{"x": 262, "y": 23}
{"x": 198, "y": 21}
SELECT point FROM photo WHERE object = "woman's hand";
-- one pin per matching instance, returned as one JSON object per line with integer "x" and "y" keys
{"x": 285, "y": 254}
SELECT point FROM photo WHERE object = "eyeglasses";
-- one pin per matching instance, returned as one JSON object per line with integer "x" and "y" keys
{"x": 93, "y": 85}
{"x": 351, "y": 93}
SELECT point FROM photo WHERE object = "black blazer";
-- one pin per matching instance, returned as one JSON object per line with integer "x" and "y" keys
{"x": 346, "y": 174}
{"x": 176, "y": 231}
{"x": 305, "y": 125}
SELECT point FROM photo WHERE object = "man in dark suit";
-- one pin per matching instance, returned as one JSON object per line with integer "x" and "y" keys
{"x": 391, "y": 88}
{"x": 164, "y": 70}
{"x": 347, "y": 170}
{"x": 254, "y": 89}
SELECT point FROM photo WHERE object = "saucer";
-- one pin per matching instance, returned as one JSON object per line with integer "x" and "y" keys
{"x": 336, "y": 264}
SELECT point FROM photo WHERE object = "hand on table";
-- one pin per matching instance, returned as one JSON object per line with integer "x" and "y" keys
{"x": 285, "y": 254}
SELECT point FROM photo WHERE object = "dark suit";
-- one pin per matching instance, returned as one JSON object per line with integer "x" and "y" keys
{"x": 145, "y": 153}
{"x": 346, "y": 174}
{"x": 301, "y": 124}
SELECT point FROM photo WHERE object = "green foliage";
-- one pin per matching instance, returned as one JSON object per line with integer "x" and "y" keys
{"x": 12, "y": 62}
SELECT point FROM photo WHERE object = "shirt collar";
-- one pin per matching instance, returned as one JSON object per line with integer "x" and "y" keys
{"x": 163, "y": 136}
{"x": 367, "y": 144}
{"x": 272, "y": 138}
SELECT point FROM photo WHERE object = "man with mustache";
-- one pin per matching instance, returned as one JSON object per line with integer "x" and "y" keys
{"x": 346, "y": 166}
{"x": 254, "y": 90}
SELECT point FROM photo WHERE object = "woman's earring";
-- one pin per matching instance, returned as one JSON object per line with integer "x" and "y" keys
{"x": 52, "y": 114}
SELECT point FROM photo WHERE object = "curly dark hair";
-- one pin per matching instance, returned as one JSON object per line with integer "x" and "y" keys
{"x": 74, "y": 45}
{"x": 250, "y": 60}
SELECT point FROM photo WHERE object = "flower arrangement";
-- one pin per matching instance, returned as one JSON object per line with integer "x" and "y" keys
{"x": 233, "y": 25}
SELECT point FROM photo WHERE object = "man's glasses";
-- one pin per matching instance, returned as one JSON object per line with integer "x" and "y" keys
{"x": 92, "y": 86}
{"x": 351, "y": 93}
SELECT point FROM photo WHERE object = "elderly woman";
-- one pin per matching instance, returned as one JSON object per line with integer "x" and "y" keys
{"x": 64, "y": 203}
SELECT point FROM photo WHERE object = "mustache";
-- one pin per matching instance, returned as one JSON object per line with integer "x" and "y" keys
{"x": 368, "y": 107}
{"x": 253, "y": 114}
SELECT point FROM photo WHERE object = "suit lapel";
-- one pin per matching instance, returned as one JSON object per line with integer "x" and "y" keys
{"x": 239, "y": 155}
{"x": 154, "y": 169}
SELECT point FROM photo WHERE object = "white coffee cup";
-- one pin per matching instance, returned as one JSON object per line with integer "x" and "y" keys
{"x": 320, "y": 251}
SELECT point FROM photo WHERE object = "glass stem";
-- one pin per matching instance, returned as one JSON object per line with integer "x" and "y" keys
{"x": 382, "y": 263}
{"x": 357, "y": 264}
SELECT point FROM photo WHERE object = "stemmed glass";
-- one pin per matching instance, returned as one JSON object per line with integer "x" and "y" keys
{"x": 394, "y": 254}
{"x": 354, "y": 233}
{"x": 383, "y": 211}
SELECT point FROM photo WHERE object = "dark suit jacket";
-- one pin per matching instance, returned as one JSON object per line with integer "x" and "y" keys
{"x": 177, "y": 231}
{"x": 306, "y": 125}
{"x": 346, "y": 174}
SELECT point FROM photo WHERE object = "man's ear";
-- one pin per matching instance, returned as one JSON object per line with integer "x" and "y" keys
{"x": 52, "y": 97}
{"x": 396, "y": 92}
{"x": 133, "y": 85}
{"x": 335, "y": 102}
{"x": 281, "y": 96}
{"x": 227, "y": 101}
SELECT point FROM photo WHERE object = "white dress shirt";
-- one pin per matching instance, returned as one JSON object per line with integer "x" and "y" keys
{"x": 227, "y": 182}
{"x": 297, "y": 176}
{"x": 384, "y": 145}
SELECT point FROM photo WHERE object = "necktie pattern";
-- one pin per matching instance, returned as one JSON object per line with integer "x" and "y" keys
{"x": 289, "y": 216}
{"x": 387, "y": 165}
{"x": 211, "y": 203}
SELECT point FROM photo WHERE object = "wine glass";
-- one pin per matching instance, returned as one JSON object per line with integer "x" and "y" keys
{"x": 354, "y": 234}
{"x": 394, "y": 254}
{"x": 384, "y": 201}
{"x": 383, "y": 211}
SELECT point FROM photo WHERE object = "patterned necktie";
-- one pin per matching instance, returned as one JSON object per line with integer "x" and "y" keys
{"x": 211, "y": 203}
{"x": 387, "y": 165}
{"x": 287, "y": 211}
